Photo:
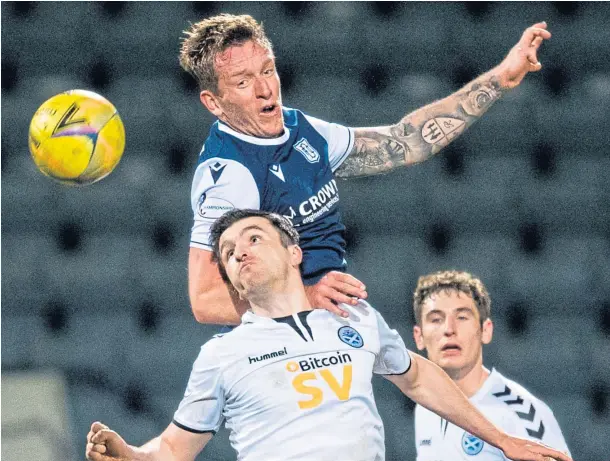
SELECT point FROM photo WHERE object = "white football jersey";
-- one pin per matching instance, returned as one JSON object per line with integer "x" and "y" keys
{"x": 297, "y": 387}
{"x": 506, "y": 404}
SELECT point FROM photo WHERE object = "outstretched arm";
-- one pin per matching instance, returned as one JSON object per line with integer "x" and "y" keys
{"x": 427, "y": 384}
{"x": 174, "y": 444}
{"x": 424, "y": 132}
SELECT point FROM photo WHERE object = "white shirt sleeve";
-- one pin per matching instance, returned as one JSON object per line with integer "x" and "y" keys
{"x": 340, "y": 140}
{"x": 201, "y": 407}
{"x": 393, "y": 357}
{"x": 219, "y": 185}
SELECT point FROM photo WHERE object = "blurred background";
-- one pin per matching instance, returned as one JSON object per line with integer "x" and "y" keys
{"x": 96, "y": 323}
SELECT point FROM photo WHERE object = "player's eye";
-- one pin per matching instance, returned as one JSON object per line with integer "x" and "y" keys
{"x": 462, "y": 317}
{"x": 242, "y": 83}
{"x": 435, "y": 320}
{"x": 229, "y": 254}
{"x": 269, "y": 71}
{"x": 255, "y": 239}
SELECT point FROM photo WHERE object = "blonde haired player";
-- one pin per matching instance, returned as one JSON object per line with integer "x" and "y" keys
{"x": 453, "y": 322}
{"x": 261, "y": 154}
{"x": 295, "y": 383}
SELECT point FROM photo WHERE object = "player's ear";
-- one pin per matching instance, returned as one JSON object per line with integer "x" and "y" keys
{"x": 296, "y": 255}
{"x": 210, "y": 101}
{"x": 487, "y": 331}
{"x": 418, "y": 337}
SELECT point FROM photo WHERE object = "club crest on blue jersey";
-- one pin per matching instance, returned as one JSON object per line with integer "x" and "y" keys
{"x": 350, "y": 337}
{"x": 471, "y": 445}
{"x": 310, "y": 154}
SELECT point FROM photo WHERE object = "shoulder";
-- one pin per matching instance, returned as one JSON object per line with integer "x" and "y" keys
{"x": 222, "y": 348}
{"x": 521, "y": 409}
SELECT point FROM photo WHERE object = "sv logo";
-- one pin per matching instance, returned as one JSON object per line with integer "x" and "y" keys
{"x": 306, "y": 384}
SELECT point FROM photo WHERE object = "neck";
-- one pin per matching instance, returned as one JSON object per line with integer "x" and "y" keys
{"x": 287, "y": 299}
{"x": 470, "y": 380}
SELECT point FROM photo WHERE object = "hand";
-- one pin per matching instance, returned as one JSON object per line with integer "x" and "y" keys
{"x": 333, "y": 289}
{"x": 523, "y": 57}
{"x": 526, "y": 450}
{"x": 104, "y": 444}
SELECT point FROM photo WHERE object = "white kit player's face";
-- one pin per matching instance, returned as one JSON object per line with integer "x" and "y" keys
{"x": 451, "y": 332}
{"x": 254, "y": 258}
{"x": 249, "y": 98}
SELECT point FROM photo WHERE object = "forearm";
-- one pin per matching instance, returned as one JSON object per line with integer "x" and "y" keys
{"x": 212, "y": 300}
{"x": 156, "y": 449}
{"x": 423, "y": 132}
{"x": 433, "y": 389}
{"x": 218, "y": 305}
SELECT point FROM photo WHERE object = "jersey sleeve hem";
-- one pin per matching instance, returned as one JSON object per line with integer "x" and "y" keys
{"x": 400, "y": 373}
{"x": 190, "y": 429}
{"x": 350, "y": 144}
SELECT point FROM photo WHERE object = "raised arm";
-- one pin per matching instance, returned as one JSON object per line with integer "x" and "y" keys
{"x": 424, "y": 132}
{"x": 212, "y": 300}
{"x": 427, "y": 384}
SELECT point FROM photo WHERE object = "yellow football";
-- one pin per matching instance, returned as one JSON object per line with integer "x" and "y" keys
{"x": 76, "y": 137}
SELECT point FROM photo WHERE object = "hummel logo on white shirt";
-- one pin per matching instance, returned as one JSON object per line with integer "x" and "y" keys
{"x": 277, "y": 170}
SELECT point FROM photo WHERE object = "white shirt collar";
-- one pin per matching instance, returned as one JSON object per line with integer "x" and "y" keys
{"x": 487, "y": 386}
{"x": 253, "y": 139}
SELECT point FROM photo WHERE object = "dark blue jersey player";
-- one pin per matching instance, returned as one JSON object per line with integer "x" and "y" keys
{"x": 262, "y": 155}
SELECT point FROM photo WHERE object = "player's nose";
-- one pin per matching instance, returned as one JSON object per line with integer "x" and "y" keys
{"x": 263, "y": 88}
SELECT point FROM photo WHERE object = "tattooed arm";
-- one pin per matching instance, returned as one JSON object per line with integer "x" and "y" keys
{"x": 424, "y": 132}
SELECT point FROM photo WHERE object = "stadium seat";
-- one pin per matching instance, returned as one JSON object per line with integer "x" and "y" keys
{"x": 163, "y": 361}
{"x": 89, "y": 405}
{"x": 17, "y": 331}
{"x": 554, "y": 280}
{"x": 103, "y": 276}
{"x": 92, "y": 340}
{"x": 25, "y": 282}
{"x": 554, "y": 355}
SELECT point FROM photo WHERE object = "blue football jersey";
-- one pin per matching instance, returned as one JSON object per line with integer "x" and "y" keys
{"x": 291, "y": 175}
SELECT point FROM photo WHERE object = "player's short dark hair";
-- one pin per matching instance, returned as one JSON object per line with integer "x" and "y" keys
{"x": 288, "y": 234}
{"x": 206, "y": 39}
{"x": 463, "y": 282}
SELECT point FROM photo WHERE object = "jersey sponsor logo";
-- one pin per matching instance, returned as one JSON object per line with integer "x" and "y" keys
{"x": 315, "y": 371}
{"x": 425, "y": 443}
{"x": 350, "y": 337}
{"x": 212, "y": 207}
{"x": 471, "y": 445}
{"x": 310, "y": 154}
{"x": 217, "y": 170}
{"x": 271, "y": 355}
{"x": 316, "y": 205}
{"x": 277, "y": 171}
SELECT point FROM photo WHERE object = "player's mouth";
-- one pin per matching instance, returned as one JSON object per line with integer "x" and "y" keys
{"x": 451, "y": 349}
{"x": 270, "y": 110}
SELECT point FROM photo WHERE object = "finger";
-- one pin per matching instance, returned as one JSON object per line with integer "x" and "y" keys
{"x": 345, "y": 278}
{"x": 89, "y": 435}
{"x": 99, "y": 448}
{"x": 97, "y": 426}
{"x": 540, "y": 25}
{"x": 331, "y": 307}
{"x": 536, "y": 43}
{"x": 347, "y": 289}
{"x": 340, "y": 297}
{"x": 530, "y": 34}
{"x": 103, "y": 436}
